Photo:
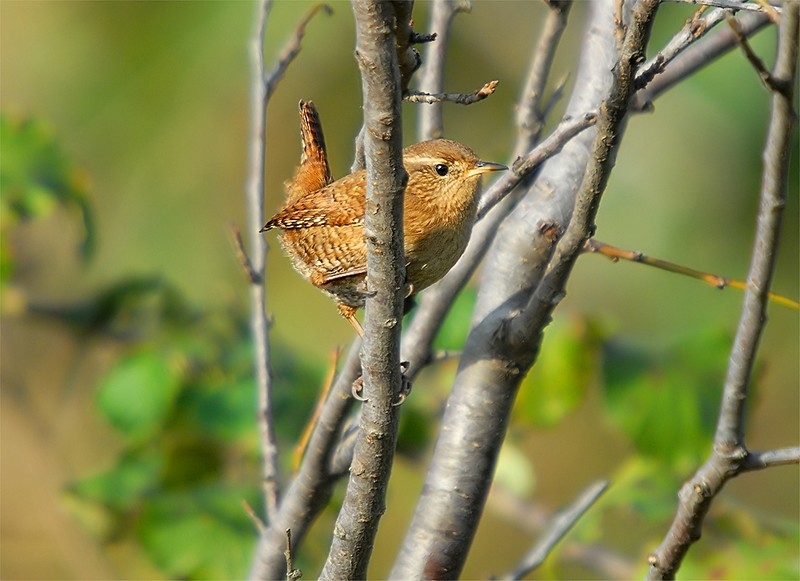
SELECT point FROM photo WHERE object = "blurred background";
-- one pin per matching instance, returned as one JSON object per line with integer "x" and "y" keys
{"x": 128, "y": 432}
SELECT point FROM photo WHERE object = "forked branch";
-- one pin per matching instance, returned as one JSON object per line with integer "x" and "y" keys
{"x": 730, "y": 455}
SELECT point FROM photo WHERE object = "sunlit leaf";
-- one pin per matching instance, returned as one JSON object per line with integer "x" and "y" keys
{"x": 37, "y": 174}
{"x": 557, "y": 382}
{"x": 139, "y": 393}
{"x": 667, "y": 401}
{"x": 455, "y": 327}
{"x": 124, "y": 484}
{"x": 203, "y": 533}
{"x": 515, "y": 471}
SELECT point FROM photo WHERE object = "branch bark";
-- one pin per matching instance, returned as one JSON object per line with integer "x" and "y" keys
{"x": 431, "y": 74}
{"x": 259, "y": 96}
{"x": 730, "y": 455}
{"x": 494, "y": 360}
{"x": 364, "y": 502}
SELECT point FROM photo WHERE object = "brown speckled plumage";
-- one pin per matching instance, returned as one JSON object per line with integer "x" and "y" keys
{"x": 322, "y": 229}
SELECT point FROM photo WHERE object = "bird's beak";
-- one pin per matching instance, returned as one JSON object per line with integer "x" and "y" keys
{"x": 482, "y": 167}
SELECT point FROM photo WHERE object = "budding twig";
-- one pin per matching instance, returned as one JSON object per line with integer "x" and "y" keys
{"x": 729, "y": 5}
{"x": 720, "y": 282}
{"x": 460, "y": 98}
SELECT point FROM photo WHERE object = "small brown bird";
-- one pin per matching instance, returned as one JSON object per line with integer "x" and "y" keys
{"x": 322, "y": 222}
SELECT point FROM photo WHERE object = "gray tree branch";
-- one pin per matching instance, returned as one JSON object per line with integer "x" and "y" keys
{"x": 259, "y": 96}
{"x": 689, "y": 58}
{"x": 312, "y": 486}
{"x": 560, "y": 525}
{"x": 492, "y": 364}
{"x": 364, "y": 502}
{"x": 431, "y": 76}
{"x": 730, "y": 455}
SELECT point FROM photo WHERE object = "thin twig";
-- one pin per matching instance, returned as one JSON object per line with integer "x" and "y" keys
{"x": 694, "y": 29}
{"x": 729, "y": 454}
{"x": 531, "y": 113}
{"x": 751, "y": 55}
{"x": 691, "y": 57}
{"x": 327, "y": 383}
{"x": 532, "y": 518}
{"x": 770, "y": 458}
{"x": 430, "y": 125}
{"x": 558, "y": 528}
{"x": 460, "y": 98}
{"x": 522, "y": 167}
{"x": 241, "y": 254}
{"x": 727, "y": 4}
{"x": 291, "y": 572}
{"x": 262, "y": 528}
{"x": 596, "y": 246}
{"x": 290, "y": 50}
{"x": 258, "y": 254}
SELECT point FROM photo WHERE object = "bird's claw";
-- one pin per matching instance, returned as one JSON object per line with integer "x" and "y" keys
{"x": 357, "y": 388}
{"x": 405, "y": 386}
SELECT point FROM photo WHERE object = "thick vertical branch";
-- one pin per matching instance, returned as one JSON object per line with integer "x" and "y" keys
{"x": 435, "y": 302}
{"x": 495, "y": 360}
{"x": 364, "y": 502}
{"x": 730, "y": 455}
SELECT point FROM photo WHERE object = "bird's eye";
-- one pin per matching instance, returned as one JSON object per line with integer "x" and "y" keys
{"x": 441, "y": 169}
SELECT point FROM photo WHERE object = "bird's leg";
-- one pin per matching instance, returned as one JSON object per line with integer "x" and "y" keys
{"x": 405, "y": 384}
{"x": 349, "y": 313}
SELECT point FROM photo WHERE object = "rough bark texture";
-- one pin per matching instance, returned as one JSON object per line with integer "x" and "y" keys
{"x": 364, "y": 503}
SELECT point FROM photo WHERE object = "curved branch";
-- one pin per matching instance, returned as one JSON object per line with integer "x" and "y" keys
{"x": 312, "y": 486}
{"x": 492, "y": 364}
{"x": 729, "y": 455}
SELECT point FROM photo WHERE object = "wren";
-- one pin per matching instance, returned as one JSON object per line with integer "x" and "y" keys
{"x": 322, "y": 221}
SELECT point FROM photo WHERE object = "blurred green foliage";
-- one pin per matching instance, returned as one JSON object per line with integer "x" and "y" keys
{"x": 36, "y": 175}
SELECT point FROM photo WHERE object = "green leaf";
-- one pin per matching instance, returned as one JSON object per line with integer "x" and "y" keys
{"x": 228, "y": 410}
{"x": 455, "y": 327}
{"x": 556, "y": 384}
{"x": 514, "y": 471}
{"x": 667, "y": 401}
{"x": 414, "y": 431}
{"x": 37, "y": 174}
{"x": 200, "y": 534}
{"x": 139, "y": 393}
{"x": 122, "y": 487}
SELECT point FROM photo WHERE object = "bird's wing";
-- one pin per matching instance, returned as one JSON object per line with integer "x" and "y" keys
{"x": 339, "y": 204}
